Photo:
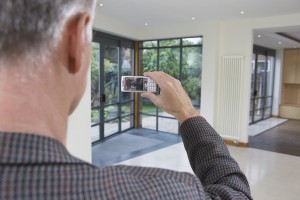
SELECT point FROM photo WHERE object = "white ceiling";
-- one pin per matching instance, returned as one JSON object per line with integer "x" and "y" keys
{"x": 165, "y": 12}
{"x": 269, "y": 37}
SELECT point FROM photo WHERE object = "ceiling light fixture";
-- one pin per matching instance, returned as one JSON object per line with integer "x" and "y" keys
{"x": 193, "y": 18}
{"x": 146, "y": 24}
{"x": 100, "y": 4}
{"x": 279, "y": 42}
{"x": 259, "y": 36}
{"x": 242, "y": 12}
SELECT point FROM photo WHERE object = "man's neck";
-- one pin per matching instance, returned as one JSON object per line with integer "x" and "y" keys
{"x": 28, "y": 109}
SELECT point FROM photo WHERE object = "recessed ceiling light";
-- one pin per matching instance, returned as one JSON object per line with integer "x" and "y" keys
{"x": 193, "y": 18}
{"x": 259, "y": 36}
{"x": 242, "y": 12}
{"x": 279, "y": 42}
{"x": 146, "y": 24}
{"x": 100, "y": 4}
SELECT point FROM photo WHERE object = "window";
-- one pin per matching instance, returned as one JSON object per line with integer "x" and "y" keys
{"x": 182, "y": 59}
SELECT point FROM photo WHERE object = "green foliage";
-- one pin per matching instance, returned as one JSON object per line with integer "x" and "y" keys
{"x": 169, "y": 62}
{"x": 94, "y": 72}
{"x": 95, "y": 116}
{"x": 192, "y": 87}
{"x": 149, "y": 60}
{"x": 111, "y": 75}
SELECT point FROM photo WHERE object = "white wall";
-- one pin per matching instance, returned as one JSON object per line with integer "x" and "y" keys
{"x": 277, "y": 82}
{"x": 220, "y": 38}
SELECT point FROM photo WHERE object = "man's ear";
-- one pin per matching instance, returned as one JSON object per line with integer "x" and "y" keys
{"x": 77, "y": 38}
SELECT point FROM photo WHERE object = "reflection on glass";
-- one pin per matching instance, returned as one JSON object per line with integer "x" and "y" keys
{"x": 148, "y": 59}
{"x": 95, "y": 133}
{"x": 250, "y": 118}
{"x": 191, "y": 73}
{"x": 253, "y": 93}
{"x": 95, "y": 75}
{"x": 258, "y": 115}
{"x": 169, "y": 43}
{"x": 251, "y": 103}
{"x": 270, "y": 75}
{"x": 169, "y": 61}
{"x": 126, "y": 123}
{"x": 127, "y": 109}
{"x": 110, "y": 112}
{"x": 268, "y": 102}
{"x": 150, "y": 44}
{"x": 111, "y": 127}
{"x": 163, "y": 113}
{"x": 111, "y": 73}
{"x": 168, "y": 125}
{"x": 260, "y": 81}
{"x": 149, "y": 122}
{"x": 192, "y": 41}
{"x": 267, "y": 113}
{"x": 259, "y": 87}
{"x": 126, "y": 69}
{"x": 148, "y": 107}
{"x": 95, "y": 117}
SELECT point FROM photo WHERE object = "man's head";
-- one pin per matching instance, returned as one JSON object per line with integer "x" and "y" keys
{"x": 47, "y": 40}
{"x": 33, "y": 26}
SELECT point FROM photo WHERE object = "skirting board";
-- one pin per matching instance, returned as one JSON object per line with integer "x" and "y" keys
{"x": 232, "y": 143}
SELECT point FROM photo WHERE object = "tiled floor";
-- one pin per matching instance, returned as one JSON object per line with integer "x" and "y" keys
{"x": 284, "y": 138}
{"x": 131, "y": 144}
{"x": 272, "y": 176}
{"x": 262, "y": 126}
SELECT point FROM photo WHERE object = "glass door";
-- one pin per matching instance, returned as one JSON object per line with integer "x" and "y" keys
{"x": 110, "y": 87}
{"x": 263, "y": 63}
{"x": 180, "y": 58}
{"x": 111, "y": 110}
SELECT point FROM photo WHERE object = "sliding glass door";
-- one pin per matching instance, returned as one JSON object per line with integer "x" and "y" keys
{"x": 111, "y": 111}
{"x": 263, "y": 70}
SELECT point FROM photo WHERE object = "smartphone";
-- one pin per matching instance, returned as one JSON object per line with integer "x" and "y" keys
{"x": 137, "y": 84}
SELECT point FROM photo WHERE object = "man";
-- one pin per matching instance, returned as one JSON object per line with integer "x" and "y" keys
{"x": 45, "y": 48}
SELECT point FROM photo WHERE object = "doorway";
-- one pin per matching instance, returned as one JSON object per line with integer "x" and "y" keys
{"x": 262, "y": 84}
{"x": 111, "y": 111}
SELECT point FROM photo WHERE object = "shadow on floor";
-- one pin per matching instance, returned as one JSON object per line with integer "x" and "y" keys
{"x": 284, "y": 138}
{"x": 133, "y": 143}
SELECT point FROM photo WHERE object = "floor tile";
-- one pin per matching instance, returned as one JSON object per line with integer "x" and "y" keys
{"x": 265, "y": 125}
{"x": 130, "y": 144}
{"x": 271, "y": 175}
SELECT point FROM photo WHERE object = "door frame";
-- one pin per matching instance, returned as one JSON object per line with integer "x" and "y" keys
{"x": 258, "y": 50}
{"x": 104, "y": 39}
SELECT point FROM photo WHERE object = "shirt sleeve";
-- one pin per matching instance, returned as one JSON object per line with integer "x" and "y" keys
{"x": 211, "y": 162}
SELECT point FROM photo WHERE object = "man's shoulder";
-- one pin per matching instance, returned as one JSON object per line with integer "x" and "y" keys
{"x": 152, "y": 182}
{"x": 139, "y": 173}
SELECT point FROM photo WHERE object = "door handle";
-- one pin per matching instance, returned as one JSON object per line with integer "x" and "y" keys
{"x": 255, "y": 93}
{"x": 103, "y": 98}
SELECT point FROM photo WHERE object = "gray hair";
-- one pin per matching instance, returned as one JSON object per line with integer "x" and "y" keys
{"x": 29, "y": 26}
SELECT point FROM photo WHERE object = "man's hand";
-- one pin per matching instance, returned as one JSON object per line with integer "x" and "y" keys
{"x": 172, "y": 99}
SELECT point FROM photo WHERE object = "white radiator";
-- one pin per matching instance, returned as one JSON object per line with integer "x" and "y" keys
{"x": 230, "y": 97}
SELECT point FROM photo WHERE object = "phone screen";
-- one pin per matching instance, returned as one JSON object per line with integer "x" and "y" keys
{"x": 135, "y": 84}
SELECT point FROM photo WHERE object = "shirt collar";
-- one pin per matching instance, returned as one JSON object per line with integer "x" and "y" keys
{"x": 20, "y": 148}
